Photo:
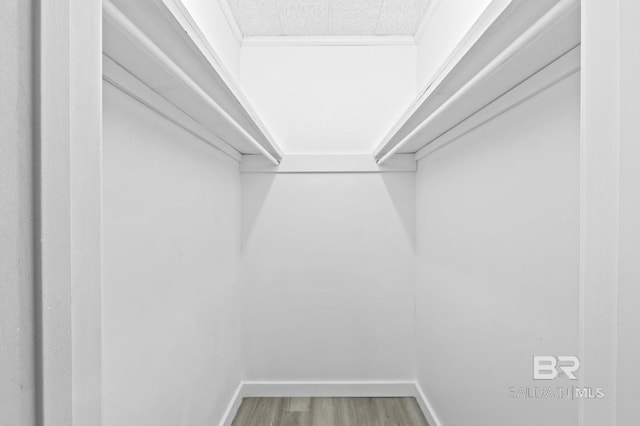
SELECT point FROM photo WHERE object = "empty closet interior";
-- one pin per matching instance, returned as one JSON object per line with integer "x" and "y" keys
{"x": 358, "y": 210}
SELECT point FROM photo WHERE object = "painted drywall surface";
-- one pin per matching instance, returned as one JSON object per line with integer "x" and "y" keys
{"x": 328, "y": 276}
{"x": 86, "y": 195}
{"x": 17, "y": 378}
{"x": 329, "y": 99}
{"x": 171, "y": 226}
{"x": 600, "y": 205}
{"x": 497, "y": 263}
{"x": 447, "y": 22}
{"x": 628, "y": 392}
{"x": 210, "y": 18}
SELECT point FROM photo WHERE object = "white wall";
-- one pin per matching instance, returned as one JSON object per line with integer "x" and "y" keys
{"x": 447, "y": 22}
{"x": 171, "y": 348}
{"x": 85, "y": 153}
{"x": 17, "y": 366}
{"x": 329, "y": 99}
{"x": 210, "y": 18}
{"x": 328, "y": 277}
{"x": 497, "y": 256}
{"x": 628, "y": 396}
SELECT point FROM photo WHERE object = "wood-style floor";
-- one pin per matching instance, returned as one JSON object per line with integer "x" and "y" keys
{"x": 329, "y": 412}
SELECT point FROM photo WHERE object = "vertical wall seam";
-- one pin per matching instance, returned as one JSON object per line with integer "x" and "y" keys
{"x": 37, "y": 207}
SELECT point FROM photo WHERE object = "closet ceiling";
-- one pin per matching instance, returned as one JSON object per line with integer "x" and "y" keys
{"x": 328, "y": 17}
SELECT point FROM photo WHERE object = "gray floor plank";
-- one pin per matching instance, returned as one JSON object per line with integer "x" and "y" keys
{"x": 295, "y": 418}
{"x": 329, "y": 412}
{"x": 363, "y": 411}
{"x": 393, "y": 412}
{"x": 414, "y": 411}
{"x": 323, "y": 412}
{"x": 243, "y": 416}
{"x": 262, "y": 412}
{"x": 302, "y": 405}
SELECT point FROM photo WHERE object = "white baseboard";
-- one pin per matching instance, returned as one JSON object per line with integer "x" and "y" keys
{"x": 232, "y": 408}
{"x": 328, "y": 163}
{"x": 425, "y": 405}
{"x": 329, "y": 389}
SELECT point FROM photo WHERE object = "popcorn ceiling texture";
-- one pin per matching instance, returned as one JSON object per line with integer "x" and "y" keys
{"x": 328, "y": 17}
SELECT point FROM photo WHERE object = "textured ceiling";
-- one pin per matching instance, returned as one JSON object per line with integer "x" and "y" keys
{"x": 328, "y": 17}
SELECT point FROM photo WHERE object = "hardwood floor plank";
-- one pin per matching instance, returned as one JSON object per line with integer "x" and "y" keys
{"x": 323, "y": 412}
{"x": 296, "y": 418}
{"x": 414, "y": 411}
{"x": 247, "y": 407}
{"x": 365, "y": 411}
{"x": 329, "y": 412}
{"x": 298, "y": 404}
{"x": 264, "y": 412}
{"x": 391, "y": 412}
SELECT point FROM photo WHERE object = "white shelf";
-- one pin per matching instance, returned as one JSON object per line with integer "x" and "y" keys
{"x": 154, "y": 52}
{"x": 328, "y": 163}
{"x": 509, "y": 44}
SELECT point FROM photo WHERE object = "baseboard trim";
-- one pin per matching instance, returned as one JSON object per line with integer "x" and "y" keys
{"x": 329, "y": 389}
{"x": 232, "y": 408}
{"x": 328, "y": 163}
{"x": 277, "y": 41}
{"x": 425, "y": 405}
